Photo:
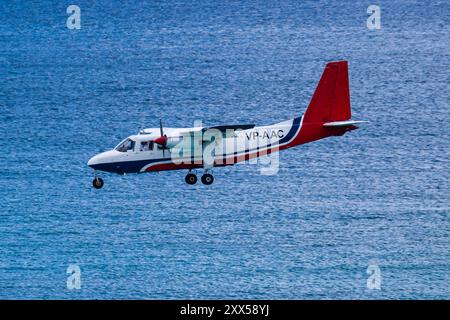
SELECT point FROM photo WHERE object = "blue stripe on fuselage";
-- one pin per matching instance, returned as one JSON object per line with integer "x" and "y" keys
{"x": 124, "y": 166}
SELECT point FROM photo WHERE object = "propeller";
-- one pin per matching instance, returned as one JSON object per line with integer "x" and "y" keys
{"x": 162, "y": 140}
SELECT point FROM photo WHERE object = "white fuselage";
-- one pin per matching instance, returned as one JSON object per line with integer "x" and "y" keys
{"x": 139, "y": 153}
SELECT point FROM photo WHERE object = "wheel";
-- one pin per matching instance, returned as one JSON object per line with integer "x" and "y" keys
{"x": 97, "y": 183}
{"x": 207, "y": 179}
{"x": 191, "y": 178}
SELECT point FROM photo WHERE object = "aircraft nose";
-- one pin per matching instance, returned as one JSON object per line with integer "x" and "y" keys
{"x": 103, "y": 161}
{"x": 93, "y": 161}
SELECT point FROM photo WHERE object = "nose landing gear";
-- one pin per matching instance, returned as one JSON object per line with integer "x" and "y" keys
{"x": 97, "y": 183}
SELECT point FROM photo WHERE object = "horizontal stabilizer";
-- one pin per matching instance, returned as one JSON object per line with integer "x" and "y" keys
{"x": 345, "y": 123}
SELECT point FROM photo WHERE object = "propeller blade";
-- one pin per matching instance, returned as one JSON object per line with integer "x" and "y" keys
{"x": 163, "y": 139}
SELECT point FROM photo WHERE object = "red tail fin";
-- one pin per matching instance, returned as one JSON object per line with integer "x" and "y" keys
{"x": 331, "y": 100}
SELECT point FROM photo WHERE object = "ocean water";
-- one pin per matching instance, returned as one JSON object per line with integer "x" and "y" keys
{"x": 376, "y": 196}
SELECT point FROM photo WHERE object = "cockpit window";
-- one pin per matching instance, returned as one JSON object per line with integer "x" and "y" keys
{"x": 126, "y": 145}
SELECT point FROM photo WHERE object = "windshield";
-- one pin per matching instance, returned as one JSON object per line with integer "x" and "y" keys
{"x": 126, "y": 145}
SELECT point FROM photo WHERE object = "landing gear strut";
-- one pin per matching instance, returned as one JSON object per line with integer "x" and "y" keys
{"x": 97, "y": 183}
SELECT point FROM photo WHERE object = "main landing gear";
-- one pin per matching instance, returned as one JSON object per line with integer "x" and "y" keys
{"x": 97, "y": 183}
{"x": 191, "y": 178}
{"x": 207, "y": 178}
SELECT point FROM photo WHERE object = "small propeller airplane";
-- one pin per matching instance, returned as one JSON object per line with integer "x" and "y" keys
{"x": 160, "y": 149}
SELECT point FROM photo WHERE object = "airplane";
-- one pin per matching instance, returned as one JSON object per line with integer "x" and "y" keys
{"x": 328, "y": 114}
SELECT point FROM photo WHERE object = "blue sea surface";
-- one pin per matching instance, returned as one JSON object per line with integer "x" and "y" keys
{"x": 376, "y": 196}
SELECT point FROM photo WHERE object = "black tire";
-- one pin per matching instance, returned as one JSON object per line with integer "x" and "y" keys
{"x": 191, "y": 178}
{"x": 207, "y": 179}
{"x": 97, "y": 183}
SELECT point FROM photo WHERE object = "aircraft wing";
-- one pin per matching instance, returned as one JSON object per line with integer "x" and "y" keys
{"x": 222, "y": 128}
{"x": 175, "y": 135}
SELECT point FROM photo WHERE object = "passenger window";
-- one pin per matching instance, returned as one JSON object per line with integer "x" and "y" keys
{"x": 146, "y": 146}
